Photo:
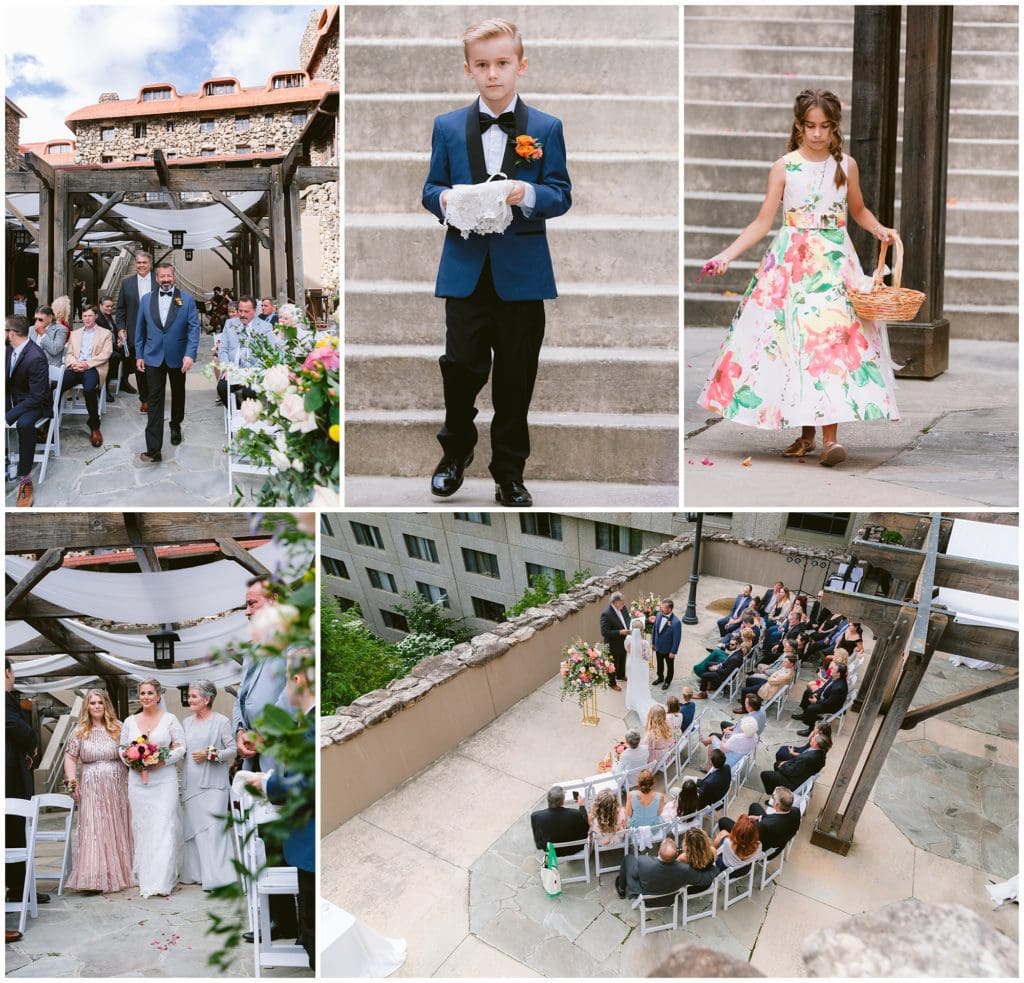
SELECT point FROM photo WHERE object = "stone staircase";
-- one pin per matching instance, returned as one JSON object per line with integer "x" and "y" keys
{"x": 605, "y": 407}
{"x": 766, "y": 55}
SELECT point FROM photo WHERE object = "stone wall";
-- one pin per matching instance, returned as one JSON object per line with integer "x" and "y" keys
{"x": 185, "y": 140}
{"x": 323, "y": 205}
{"x": 12, "y": 137}
{"x": 321, "y": 62}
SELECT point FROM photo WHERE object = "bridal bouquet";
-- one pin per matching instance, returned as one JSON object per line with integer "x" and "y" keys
{"x": 142, "y": 754}
{"x": 583, "y": 668}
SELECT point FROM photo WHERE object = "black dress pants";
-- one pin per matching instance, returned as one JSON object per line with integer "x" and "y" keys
{"x": 157, "y": 377}
{"x": 479, "y": 327}
{"x": 665, "y": 660}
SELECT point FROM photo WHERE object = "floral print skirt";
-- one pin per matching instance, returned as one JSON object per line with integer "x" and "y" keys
{"x": 796, "y": 354}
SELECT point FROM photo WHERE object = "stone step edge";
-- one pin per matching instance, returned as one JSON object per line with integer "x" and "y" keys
{"x": 573, "y": 289}
{"x": 955, "y": 240}
{"x": 604, "y": 421}
{"x": 781, "y": 76}
{"x": 775, "y": 134}
{"x": 586, "y": 223}
{"x": 1006, "y": 275}
{"x": 466, "y": 97}
{"x": 764, "y": 165}
{"x": 789, "y": 105}
{"x": 442, "y": 42}
{"x": 754, "y": 196}
{"x": 586, "y": 156}
{"x": 817, "y": 49}
{"x": 552, "y": 354}
{"x": 801, "y": 22}
{"x": 948, "y": 308}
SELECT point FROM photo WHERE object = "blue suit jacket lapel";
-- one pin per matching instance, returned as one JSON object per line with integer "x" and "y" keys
{"x": 508, "y": 164}
{"x": 474, "y": 145}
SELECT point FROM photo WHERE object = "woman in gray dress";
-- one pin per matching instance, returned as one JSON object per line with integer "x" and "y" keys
{"x": 209, "y": 752}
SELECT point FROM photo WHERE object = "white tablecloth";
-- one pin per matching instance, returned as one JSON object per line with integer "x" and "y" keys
{"x": 350, "y": 948}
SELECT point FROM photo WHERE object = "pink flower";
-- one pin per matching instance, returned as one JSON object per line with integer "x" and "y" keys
{"x": 326, "y": 356}
{"x": 770, "y": 292}
{"x": 133, "y": 753}
{"x": 721, "y": 389}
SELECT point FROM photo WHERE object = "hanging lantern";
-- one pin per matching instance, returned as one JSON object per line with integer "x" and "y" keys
{"x": 163, "y": 648}
{"x": 177, "y": 238}
{"x": 189, "y": 253}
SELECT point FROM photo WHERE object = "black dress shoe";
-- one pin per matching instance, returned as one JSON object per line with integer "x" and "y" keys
{"x": 658, "y": 681}
{"x": 42, "y": 898}
{"x": 275, "y": 933}
{"x": 175, "y": 435}
{"x": 665, "y": 685}
{"x": 127, "y": 387}
{"x": 151, "y": 458}
{"x": 512, "y": 494}
{"x": 449, "y": 474}
{"x": 806, "y": 732}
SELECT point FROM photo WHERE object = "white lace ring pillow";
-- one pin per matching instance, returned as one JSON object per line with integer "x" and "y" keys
{"x": 480, "y": 208}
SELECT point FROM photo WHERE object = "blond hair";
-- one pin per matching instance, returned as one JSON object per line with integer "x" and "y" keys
{"x": 657, "y": 726}
{"x": 493, "y": 28}
{"x": 110, "y": 722}
{"x": 61, "y": 308}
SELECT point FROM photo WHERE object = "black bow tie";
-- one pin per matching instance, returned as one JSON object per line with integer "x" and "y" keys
{"x": 507, "y": 122}
{"x": 166, "y": 293}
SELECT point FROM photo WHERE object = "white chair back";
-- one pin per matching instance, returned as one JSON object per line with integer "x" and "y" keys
{"x": 28, "y": 810}
{"x": 56, "y": 800}
{"x": 690, "y": 899}
{"x": 581, "y": 852}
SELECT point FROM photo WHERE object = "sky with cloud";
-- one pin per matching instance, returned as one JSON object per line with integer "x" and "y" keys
{"x": 59, "y": 58}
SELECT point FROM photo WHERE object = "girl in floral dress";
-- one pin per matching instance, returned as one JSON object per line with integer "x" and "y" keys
{"x": 796, "y": 353}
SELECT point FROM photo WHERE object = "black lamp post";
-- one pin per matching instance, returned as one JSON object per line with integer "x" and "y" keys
{"x": 163, "y": 648}
{"x": 690, "y": 617}
{"x": 177, "y": 238}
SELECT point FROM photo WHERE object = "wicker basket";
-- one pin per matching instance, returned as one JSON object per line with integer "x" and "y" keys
{"x": 884, "y": 303}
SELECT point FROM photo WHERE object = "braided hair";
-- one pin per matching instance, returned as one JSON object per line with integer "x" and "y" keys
{"x": 828, "y": 103}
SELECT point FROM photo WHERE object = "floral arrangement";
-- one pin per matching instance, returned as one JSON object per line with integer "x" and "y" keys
{"x": 142, "y": 754}
{"x": 528, "y": 148}
{"x": 611, "y": 758}
{"x": 294, "y": 427}
{"x": 647, "y": 606}
{"x": 583, "y": 668}
{"x": 69, "y": 785}
{"x": 212, "y": 754}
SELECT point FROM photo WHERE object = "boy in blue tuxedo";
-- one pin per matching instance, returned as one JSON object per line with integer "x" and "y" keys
{"x": 495, "y": 285}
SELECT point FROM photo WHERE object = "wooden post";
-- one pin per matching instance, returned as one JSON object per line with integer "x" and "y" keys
{"x": 923, "y": 344}
{"x": 278, "y": 257}
{"x": 244, "y": 266}
{"x": 235, "y": 262}
{"x": 61, "y": 230}
{"x": 257, "y": 280}
{"x": 296, "y": 275}
{"x": 875, "y": 114}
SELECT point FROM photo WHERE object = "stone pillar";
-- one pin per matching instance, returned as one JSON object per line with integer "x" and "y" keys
{"x": 923, "y": 344}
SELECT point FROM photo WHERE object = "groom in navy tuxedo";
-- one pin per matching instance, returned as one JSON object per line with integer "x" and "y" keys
{"x": 495, "y": 285}
{"x": 666, "y": 636}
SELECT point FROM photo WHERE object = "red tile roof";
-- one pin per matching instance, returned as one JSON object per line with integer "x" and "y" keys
{"x": 39, "y": 149}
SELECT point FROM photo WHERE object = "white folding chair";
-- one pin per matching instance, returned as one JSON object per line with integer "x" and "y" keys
{"x": 777, "y": 859}
{"x": 837, "y": 718}
{"x": 266, "y": 881}
{"x": 75, "y": 404}
{"x": 619, "y": 850}
{"x": 669, "y": 760}
{"x": 711, "y": 812}
{"x": 650, "y": 902}
{"x": 733, "y": 882}
{"x": 48, "y": 428}
{"x": 55, "y": 800}
{"x": 28, "y": 810}
{"x": 688, "y": 896}
{"x": 239, "y": 463}
{"x": 730, "y": 686}
{"x": 582, "y": 853}
{"x": 640, "y": 839}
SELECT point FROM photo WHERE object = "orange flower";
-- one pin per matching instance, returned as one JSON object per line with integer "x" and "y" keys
{"x": 720, "y": 392}
{"x": 528, "y": 148}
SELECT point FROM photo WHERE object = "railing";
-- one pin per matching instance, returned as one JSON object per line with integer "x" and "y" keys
{"x": 50, "y": 772}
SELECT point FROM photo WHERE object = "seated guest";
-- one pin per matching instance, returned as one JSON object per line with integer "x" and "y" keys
{"x": 713, "y": 786}
{"x": 268, "y": 311}
{"x": 86, "y": 362}
{"x": 105, "y": 318}
{"x": 687, "y": 708}
{"x": 559, "y": 824}
{"x": 62, "y": 313}
{"x": 822, "y": 643}
{"x": 789, "y": 751}
{"x": 26, "y": 399}
{"x": 828, "y": 670}
{"x": 753, "y": 707}
{"x": 739, "y": 605}
{"x": 673, "y": 716}
{"x": 235, "y": 348}
{"x": 607, "y": 820}
{"x": 635, "y": 755}
{"x": 773, "y": 597}
{"x": 791, "y": 630}
{"x": 828, "y": 699}
{"x": 737, "y": 846}
{"x": 775, "y": 829}
{"x": 729, "y": 730}
{"x": 697, "y": 853}
{"x": 643, "y": 804}
{"x": 818, "y": 614}
{"x": 718, "y": 672}
{"x": 749, "y": 630}
{"x": 851, "y": 638}
{"x": 683, "y": 808}
{"x": 719, "y": 655}
{"x": 50, "y": 336}
{"x": 793, "y": 773}
{"x": 765, "y": 687}
{"x": 737, "y": 743}
{"x": 660, "y": 875}
{"x": 658, "y": 734}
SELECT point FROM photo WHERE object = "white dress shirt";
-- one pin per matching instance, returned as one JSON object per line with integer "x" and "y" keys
{"x": 88, "y": 334}
{"x": 494, "y": 140}
{"x": 165, "y": 305}
{"x": 144, "y": 285}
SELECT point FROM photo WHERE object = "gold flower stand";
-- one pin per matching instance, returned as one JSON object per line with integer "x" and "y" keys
{"x": 589, "y": 705}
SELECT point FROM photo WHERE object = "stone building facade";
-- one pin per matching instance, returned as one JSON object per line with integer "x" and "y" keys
{"x": 13, "y": 115}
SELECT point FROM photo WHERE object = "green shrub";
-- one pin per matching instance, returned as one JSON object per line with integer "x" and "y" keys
{"x": 427, "y": 618}
{"x": 542, "y": 589}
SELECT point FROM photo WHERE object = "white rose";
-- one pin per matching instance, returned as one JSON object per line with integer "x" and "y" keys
{"x": 266, "y": 623}
{"x": 276, "y": 379}
{"x": 280, "y": 461}
{"x": 251, "y": 410}
{"x": 292, "y": 407}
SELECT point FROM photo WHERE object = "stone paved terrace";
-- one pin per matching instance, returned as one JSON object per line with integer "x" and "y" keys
{"x": 191, "y": 474}
{"x": 447, "y": 862}
{"x": 122, "y": 935}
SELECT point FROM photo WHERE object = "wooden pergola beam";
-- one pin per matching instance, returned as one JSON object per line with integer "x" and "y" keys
{"x": 20, "y": 183}
{"x": 41, "y": 169}
{"x": 224, "y": 200}
{"x": 43, "y": 646}
{"x": 93, "y": 219}
{"x": 36, "y": 608}
{"x": 306, "y": 176}
{"x": 97, "y": 530}
{"x": 30, "y": 227}
{"x": 231, "y": 550}
{"x": 142, "y": 179}
{"x": 50, "y": 560}
{"x": 164, "y": 173}
{"x": 918, "y": 714}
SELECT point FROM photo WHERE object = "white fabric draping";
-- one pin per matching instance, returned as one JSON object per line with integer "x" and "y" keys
{"x": 42, "y": 666}
{"x": 202, "y": 225}
{"x": 154, "y": 598}
{"x": 68, "y": 683}
{"x": 351, "y": 948}
{"x": 17, "y": 632}
{"x": 196, "y": 642}
{"x": 222, "y": 673}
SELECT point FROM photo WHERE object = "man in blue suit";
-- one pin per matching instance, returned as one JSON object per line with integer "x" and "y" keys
{"x": 495, "y": 285}
{"x": 166, "y": 343}
{"x": 732, "y": 619}
{"x": 27, "y": 398}
{"x": 666, "y": 636}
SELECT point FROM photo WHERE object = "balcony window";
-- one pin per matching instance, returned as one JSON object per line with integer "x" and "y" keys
{"x": 106, "y": 133}
{"x": 434, "y": 594}
{"x": 394, "y": 620}
{"x": 421, "y": 548}
{"x": 618, "y": 539}
{"x": 299, "y": 118}
{"x": 295, "y": 81}
{"x": 219, "y": 88}
{"x": 541, "y": 524}
{"x": 241, "y": 124}
{"x": 206, "y": 126}
{"x": 480, "y": 518}
{"x": 823, "y": 523}
{"x": 367, "y": 535}
{"x": 382, "y": 580}
{"x": 139, "y": 130}
{"x": 149, "y": 95}
{"x": 477, "y": 561}
{"x": 488, "y": 610}
{"x": 335, "y": 567}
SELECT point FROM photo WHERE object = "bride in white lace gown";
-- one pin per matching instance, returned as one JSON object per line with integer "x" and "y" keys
{"x": 155, "y": 805}
{"x": 638, "y": 671}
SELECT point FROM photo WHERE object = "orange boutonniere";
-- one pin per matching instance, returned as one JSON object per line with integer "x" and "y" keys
{"x": 177, "y": 301}
{"x": 528, "y": 148}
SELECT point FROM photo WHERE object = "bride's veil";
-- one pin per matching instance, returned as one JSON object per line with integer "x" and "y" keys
{"x": 636, "y": 636}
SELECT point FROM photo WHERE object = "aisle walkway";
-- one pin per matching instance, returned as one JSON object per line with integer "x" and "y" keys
{"x": 447, "y": 862}
{"x": 192, "y": 474}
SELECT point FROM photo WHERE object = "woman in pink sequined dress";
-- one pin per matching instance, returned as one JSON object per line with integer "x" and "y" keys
{"x": 103, "y": 849}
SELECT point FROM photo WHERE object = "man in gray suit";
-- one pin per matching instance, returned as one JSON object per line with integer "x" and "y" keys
{"x": 49, "y": 335}
{"x": 134, "y": 289}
